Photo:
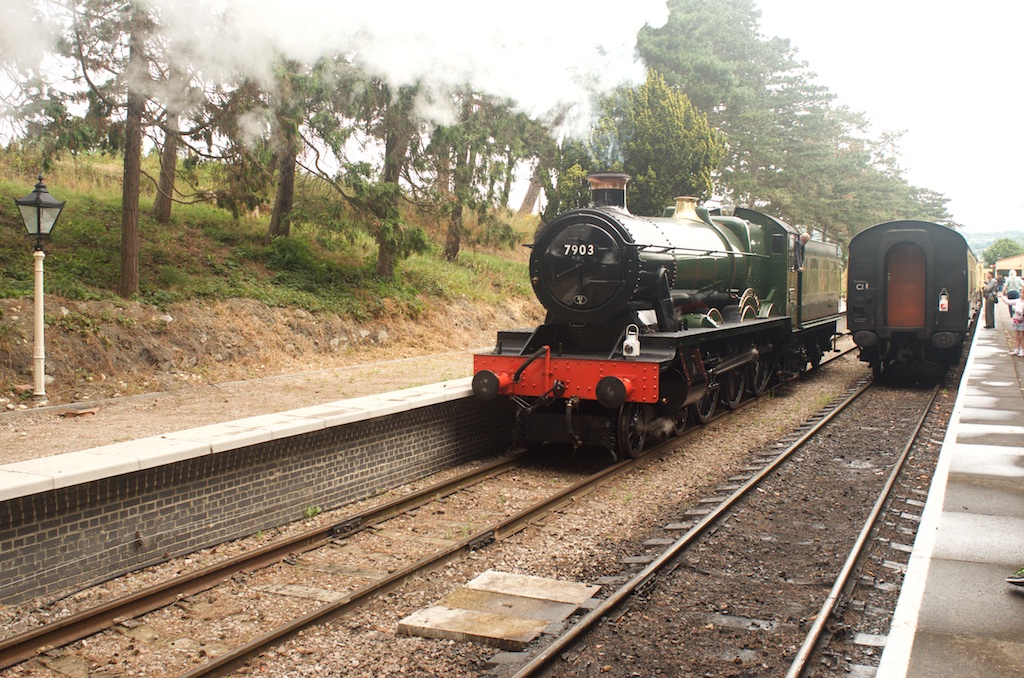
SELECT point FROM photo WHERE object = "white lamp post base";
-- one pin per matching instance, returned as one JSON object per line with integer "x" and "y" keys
{"x": 39, "y": 350}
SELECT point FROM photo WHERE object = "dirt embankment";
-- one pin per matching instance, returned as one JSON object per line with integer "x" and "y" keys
{"x": 106, "y": 349}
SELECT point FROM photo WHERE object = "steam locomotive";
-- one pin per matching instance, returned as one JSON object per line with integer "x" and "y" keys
{"x": 652, "y": 319}
{"x": 914, "y": 288}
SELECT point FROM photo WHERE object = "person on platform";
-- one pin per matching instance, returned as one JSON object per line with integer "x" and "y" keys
{"x": 1011, "y": 289}
{"x": 1017, "y": 314}
{"x": 990, "y": 292}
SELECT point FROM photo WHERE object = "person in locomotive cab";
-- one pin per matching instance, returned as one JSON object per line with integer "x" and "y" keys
{"x": 798, "y": 252}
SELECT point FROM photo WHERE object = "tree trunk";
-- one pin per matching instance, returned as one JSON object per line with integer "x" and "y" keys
{"x": 129, "y": 283}
{"x": 286, "y": 150}
{"x": 280, "y": 220}
{"x": 444, "y": 173}
{"x": 396, "y": 145}
{"x": 453, "y": 240}
{"x": 169, "y": 153}
{"x": 509, "y": 176}
{"x": 530, "y": 201}
{"x": 387, "y": 254}
{"x": 168, "y": 166}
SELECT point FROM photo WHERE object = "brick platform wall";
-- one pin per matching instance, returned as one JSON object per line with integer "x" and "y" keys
{"x": 75, "y": 536}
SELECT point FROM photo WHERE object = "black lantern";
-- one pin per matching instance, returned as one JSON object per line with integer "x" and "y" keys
{"x": 40, "y": 210}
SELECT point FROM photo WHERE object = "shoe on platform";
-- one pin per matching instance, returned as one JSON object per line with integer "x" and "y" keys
{"x": 1013, "y": 352}
{"x": 1017, "y": 578}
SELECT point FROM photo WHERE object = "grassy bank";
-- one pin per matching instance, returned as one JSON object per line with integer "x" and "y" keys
{"x": 205, "y": 257}
{"x": 327, "y": 264}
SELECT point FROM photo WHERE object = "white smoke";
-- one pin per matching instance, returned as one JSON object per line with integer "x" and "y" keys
{"x": 26, "y": 40}
{"x": 548, "y": 56}
{"x": 25, "y": 36}
{"x": 545, "y": 55}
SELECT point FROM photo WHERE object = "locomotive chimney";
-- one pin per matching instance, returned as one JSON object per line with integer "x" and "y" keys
{"x": 686, "y": 208}
{"x": 608, "y": 189}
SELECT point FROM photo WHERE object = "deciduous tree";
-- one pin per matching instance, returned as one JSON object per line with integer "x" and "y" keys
{"x": 1001, "y": 249}
{"x": 467, "y": 167}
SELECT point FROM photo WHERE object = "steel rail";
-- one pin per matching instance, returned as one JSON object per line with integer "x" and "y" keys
{"x": 647, "y": 575}
{"x": 828, "y": 607}
{"x": 26, "y": 645}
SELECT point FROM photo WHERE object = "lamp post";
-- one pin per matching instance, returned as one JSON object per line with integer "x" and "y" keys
{"x": 39, "y": 210}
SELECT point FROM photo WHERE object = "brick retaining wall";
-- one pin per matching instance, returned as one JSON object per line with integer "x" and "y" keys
{"x": 78, "y": 535}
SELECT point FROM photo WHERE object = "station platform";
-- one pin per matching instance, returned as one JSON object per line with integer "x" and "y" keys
{"x": 54, "y": 472}
{"x": 956, "y": 614}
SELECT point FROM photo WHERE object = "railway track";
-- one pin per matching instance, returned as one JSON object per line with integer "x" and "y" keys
{"x": 75, "y": 627}
{"x": 752, "y": 584}
{"x": 666, "y": 558}
{"x": 857, "y": 629}
{"x": 815, "y": 640}
{"x": 183, "y": 594}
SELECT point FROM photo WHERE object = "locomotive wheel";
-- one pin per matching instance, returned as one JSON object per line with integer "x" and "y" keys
{"x": 760, "y": 377}
{"x": 679, "y": 420}
{"x": 631, "y": 431}
{"x": 705, "y": 408}
{"x": 813, "y": 352}
{"x": 734, "y": 386}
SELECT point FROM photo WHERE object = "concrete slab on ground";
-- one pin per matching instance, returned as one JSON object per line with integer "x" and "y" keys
{"x": 504, "y": 610}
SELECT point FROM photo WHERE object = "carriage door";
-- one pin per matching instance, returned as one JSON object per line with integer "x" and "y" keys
{"x": 905, "y": 285}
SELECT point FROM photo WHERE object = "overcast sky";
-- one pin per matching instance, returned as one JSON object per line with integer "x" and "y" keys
{"x": 949, "y": 73}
